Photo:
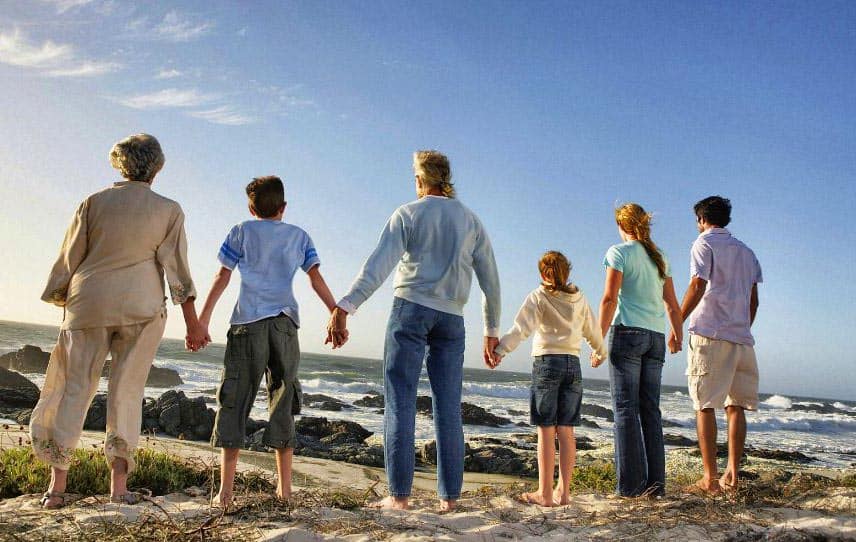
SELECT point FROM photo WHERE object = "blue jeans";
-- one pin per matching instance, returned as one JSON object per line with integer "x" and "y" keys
{"x": 412, "y": 330}
{"x": 636, "y": 357}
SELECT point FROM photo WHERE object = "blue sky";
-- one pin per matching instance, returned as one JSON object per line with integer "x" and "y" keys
{"x": 552, "y": 113}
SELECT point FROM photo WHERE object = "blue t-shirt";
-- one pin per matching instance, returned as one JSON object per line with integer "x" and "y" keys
{"x": 640, "y": 299}
{"x": 267, "y": 253}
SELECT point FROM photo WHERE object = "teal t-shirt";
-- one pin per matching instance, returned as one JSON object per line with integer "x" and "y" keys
{"x": 640, "y": 299}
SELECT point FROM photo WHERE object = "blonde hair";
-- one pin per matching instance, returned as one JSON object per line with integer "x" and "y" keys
{"x": 633, "y": 219}
{"x": 137, "y": 157}
{"x": 555, "y": 271}
{"x": 433, "y": 169}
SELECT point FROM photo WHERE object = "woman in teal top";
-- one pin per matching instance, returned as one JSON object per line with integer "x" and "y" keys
{"x": 638, "y": 294}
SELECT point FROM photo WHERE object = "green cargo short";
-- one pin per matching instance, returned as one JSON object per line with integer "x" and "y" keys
{"x": 266, "y": 348}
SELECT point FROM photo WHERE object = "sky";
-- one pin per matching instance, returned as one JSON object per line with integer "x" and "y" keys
{"x": 552, "y": 114}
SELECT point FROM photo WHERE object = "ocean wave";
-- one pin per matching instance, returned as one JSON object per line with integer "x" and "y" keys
{"x": 778, "y": 401}
{"x": 827, "y": 424}
{"x": 504, "y": 391}
{"x": 841, "y": 406}
{"x": 319, "y": 385}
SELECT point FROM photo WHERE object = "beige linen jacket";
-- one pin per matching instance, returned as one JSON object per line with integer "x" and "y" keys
{"x": 111, "y": 266}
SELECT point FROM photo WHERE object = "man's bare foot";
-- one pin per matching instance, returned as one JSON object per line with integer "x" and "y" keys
{"x": 391, "y": 503}
{"x": 705, "y": 486}
{"x": 560, "y": 498}
{"x": 447, "y": 505}
{"x": 222, "y": 500}
{"x": 282, "y": 494}
{"x": 537, "y": 498}
{"x": 728, "y": 481}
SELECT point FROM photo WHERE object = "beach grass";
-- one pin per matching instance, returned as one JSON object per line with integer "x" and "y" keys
{"x": 157, "y": 472}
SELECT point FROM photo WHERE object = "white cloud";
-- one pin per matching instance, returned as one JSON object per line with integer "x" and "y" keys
{"x": 178, "y": 28}
{"x": 86, "y": 69}
{"x": 168, "y": 74}
{"x": 64, "y": 5}
{"x": 223, "y": 115}
{"x": 56, "y": 60}
{"x": 17, "y": 51}
{"x": 167, "y": 98}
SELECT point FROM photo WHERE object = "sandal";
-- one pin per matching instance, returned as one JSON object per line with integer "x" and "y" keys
{"x": 129, "y": 498}
{"x": 48, "y": 495}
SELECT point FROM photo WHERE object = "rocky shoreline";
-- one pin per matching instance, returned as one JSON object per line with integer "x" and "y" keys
{"x": 176, "y": 415}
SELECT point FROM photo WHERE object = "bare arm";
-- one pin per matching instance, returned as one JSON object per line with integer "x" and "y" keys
{"x": 753, "y": 304}
{"x": 695, "y": 291}
{"x": 673, "y": 311}
{"x": 609, "y": 302}
{"x": 321, "y": 289}
{"x": 221, "y": 281}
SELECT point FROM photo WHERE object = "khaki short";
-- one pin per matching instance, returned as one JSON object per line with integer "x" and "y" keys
{"x": 722, "y": 374}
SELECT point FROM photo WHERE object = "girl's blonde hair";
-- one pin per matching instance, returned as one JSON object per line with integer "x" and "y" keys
{"x": 633, "y": 219}
{"x": 433, "y": 169}
{"x": 556, "y": 271}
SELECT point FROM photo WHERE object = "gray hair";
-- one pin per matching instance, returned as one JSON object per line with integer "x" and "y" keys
{"x": 433, "y": 169}
{"x": 137, "y": 157}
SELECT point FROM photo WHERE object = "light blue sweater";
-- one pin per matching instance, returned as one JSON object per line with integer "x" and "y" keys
{"x": 436, "y": 243}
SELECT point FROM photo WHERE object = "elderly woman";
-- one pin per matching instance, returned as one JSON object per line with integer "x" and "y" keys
{"x": 435, "y": 243}
{"x": 109, "y": 280}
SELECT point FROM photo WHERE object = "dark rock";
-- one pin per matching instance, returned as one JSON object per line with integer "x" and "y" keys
{"x": 597, "y": 411}
{"x": 324, "y": 402}
{"x": 96, "y": 416}
{"x": 424, "y": 405}
{"x": 159, "y": 377}
{"x": 209, "y": 391}
{"x": 319, "y": 428}
{"x": 180, "y": 416}
{"x": 23, "y": 416}
{"x": 16, "y": 392}
{"x": 780, "y": 455}
{"x": 678, "y": 440}
{"x": 521, "y": 424}
{"x": 370, "y": 401}
{"x": 360, "y": 454}
{"x": 428, "y": 453}
{"x": 589, "y": 423}
{"x": 254, "y": 426}
{"x": 476, "y": 415}
{"x": 669, "y": 424}
{"x": 512, "y": 412}
{"x": 255, "y": 443}
{"x": 500, "y": 460}
{"x": 374, "y": 393}
{"x": 29, "y": 359}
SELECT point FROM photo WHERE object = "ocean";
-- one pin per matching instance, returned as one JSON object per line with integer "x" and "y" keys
{"x": 783, "y": 422}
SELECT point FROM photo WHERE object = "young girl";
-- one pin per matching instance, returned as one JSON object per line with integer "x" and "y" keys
{"x": 559, "y": 315}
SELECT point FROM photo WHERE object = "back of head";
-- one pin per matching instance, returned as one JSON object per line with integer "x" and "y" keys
{"x": 266, "y": 195}
{"x": 555, "y": 272}
{"x": 433, "y": 169}
{"x": 633, "y": 220}
{"x": 137, "y": 157}
{"x": 715, "y": 210}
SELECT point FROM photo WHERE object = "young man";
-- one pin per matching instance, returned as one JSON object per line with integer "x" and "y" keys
{"x": 262, "y": 339}
{"x": 721, "y": 302}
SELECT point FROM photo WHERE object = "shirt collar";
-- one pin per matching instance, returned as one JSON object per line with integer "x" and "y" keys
{"x": 133, "y": 183}
{"x": 715, "y": 231}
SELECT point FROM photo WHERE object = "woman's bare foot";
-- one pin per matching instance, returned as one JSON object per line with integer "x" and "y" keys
{"x": 391, "y": 503}
{"x": 705, "y": 486}
{"x": 283, "y": 494}
{"x": 560, "y": 498}
{"x": 448, "y": 505}
{"x": 537, "y": 498}
{"x": 728, "y": 481}
{"x": 222, "y": 500}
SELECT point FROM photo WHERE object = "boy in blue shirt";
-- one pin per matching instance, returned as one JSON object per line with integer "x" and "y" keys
{"x": 262, "y": 339}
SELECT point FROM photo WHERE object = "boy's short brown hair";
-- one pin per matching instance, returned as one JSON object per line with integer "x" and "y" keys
{"x": 266, "y": 195}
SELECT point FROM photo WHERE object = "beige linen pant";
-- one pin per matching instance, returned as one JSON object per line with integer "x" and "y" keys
{"x": 72, "y": 381}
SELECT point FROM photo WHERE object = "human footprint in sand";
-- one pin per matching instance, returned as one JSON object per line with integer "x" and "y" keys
{"x": 560, "y": 318}
{"x": 436, "y": 244}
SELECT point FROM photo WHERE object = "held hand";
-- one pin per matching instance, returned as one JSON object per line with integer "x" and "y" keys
{"x": 497, "y": 359}
{"x": 490, "y": 344}
{"x": 337, "y": 328}
{"x": 595, "y": 360}
{"x": 197, "y": 337}
{"x": 675, "y": 343}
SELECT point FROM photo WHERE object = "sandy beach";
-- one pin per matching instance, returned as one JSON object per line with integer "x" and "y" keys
{"x": 780, "y": 501}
